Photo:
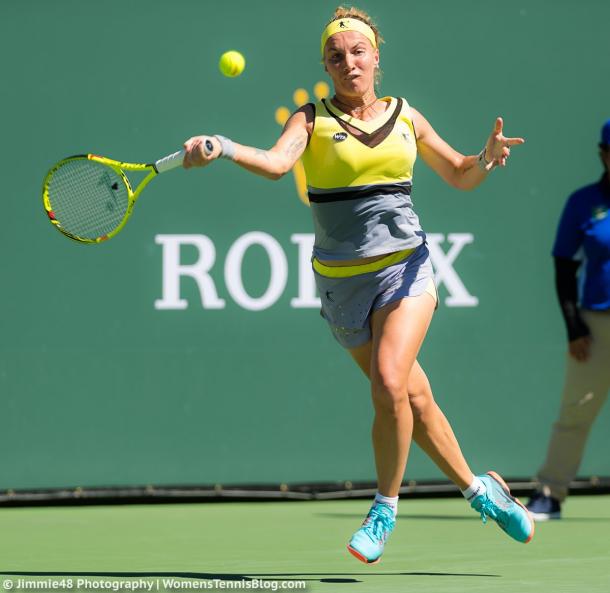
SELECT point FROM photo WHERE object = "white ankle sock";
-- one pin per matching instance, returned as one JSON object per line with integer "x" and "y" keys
{"x": 391, "y": 501}
{"x": 475, "y": 489}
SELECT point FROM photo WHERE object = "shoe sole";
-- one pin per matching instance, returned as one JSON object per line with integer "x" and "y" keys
{"x": 506, "y": 489}
{"x": 360, "y": 557}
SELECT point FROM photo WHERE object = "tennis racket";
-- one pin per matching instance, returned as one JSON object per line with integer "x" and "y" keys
{"x": 89, "y": 198}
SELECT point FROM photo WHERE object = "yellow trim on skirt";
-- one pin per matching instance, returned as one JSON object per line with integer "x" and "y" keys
{"x": 349, "y": 271}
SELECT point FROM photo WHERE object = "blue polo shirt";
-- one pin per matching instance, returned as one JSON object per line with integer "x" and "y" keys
{"x": 585, "y": 223}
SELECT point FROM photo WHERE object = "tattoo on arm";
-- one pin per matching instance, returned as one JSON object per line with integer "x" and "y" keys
{"x": 262, "y": 153}
{"x": 294, "y": 147}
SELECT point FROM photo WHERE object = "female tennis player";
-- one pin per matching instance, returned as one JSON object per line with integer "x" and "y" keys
{"x": 370, "y": 259}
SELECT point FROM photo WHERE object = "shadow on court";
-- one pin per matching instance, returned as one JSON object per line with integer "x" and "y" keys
{"x": 319, "y": 577}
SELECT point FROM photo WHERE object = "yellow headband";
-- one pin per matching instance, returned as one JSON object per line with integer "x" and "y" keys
{"x": 347, "y": 25}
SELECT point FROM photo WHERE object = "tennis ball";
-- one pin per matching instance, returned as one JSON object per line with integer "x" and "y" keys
{"x": 232, "y": 63}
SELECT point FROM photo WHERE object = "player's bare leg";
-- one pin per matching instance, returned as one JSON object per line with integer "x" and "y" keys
{"x": 398, "y": 330}
{"x": 431, "y": 430}
{"x": 488, "y": 494}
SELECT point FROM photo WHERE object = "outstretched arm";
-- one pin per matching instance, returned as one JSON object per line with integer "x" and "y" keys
{"x": 458, "y": 170}
{"x": 272, "y": 163}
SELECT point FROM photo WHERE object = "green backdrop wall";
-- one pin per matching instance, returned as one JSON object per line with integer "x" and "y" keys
{"x": 109, "y": 378}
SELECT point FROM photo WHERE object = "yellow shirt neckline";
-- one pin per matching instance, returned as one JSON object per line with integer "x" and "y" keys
{"x": 368, "y": 126}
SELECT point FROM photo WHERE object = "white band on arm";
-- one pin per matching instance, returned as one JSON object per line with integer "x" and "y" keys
{"x": 482, "y": 162}
{"x": 227, "y": 148}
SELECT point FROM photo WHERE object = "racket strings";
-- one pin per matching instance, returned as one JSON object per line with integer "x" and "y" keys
{"x": 88, "y": 199}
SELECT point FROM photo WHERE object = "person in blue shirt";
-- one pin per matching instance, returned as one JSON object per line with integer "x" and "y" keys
{"x": 583, "y": 241}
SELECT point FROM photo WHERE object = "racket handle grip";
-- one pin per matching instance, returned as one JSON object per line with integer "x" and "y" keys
{"x": 171, "y": 161}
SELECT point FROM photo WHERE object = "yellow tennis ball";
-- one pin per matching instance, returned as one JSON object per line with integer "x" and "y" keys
{"x": 232, "y": 63}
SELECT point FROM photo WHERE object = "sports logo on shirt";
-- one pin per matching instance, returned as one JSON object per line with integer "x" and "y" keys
{"x": 339, "y": 136}
{"x": 600, "y": 212}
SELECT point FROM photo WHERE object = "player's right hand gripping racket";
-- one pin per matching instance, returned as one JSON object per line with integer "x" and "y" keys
{"x": 89, "y": 198}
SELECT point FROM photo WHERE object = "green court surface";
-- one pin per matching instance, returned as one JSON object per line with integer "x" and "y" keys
{"x": 438, "y": 546}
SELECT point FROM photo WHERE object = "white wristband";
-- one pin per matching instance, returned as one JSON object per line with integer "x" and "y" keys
{"x": 227, "y": 148}
{"x": 482, "y": 162}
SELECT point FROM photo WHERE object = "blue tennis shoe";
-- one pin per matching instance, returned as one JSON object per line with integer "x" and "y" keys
{"x": 368, "y": 542}
{"x": 506, "y": 510}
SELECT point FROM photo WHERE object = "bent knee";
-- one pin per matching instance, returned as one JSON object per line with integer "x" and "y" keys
{"x": 389, "y": 392}
{"x": 420, "y": 404}
{"x": 421, "y": 399}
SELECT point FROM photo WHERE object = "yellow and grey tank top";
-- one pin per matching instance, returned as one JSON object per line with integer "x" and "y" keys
{"x": 359, "y": 179}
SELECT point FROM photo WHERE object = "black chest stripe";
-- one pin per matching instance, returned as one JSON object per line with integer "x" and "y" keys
{"x": 378, "y": 191}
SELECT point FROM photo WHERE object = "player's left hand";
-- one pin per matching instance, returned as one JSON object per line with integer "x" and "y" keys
{"x": 497, "y": 149}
